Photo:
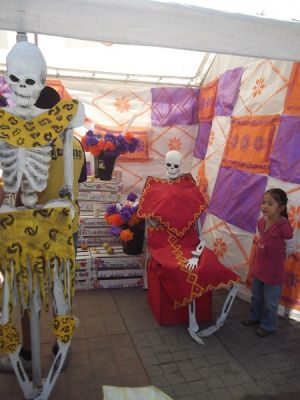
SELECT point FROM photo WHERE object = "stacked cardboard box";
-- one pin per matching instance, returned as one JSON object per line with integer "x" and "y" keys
{"x": 83, "y": 272}
{"x": 96, "y": 268}
{"x": 116, "y": 270}
{"x": 93, "y": 199}
{"x": 95, "y": 196}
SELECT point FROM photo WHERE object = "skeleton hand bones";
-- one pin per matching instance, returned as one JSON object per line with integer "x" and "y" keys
{"x": 193, "y": 261}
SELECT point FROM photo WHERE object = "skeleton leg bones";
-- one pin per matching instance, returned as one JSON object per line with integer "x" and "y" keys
{"x": 38, "y": 388}
{"x": 193, "y": 328}
{"x": 62, "y": 307}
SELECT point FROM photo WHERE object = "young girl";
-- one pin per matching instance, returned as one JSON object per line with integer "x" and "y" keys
{"x": 275, "y": 239}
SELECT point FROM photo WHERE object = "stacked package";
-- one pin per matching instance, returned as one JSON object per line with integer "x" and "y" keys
{"x": 98, "y": 194}
{"x": 97, "y": 266}
{"x": 93, "y": 199}
{"x": 83, "y": 272}
{"x": 96, "y": 269}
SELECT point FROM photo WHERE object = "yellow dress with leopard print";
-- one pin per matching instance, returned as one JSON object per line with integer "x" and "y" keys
{"x": 36, "y": 241}
{"x": 40, "y": 130}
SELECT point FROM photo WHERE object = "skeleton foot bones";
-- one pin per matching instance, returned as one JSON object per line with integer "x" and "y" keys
{"x": 193, "y": 329}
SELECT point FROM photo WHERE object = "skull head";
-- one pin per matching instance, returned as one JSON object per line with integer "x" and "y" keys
{"x": 173, "y": 160}
{"x": 26, "y": 73}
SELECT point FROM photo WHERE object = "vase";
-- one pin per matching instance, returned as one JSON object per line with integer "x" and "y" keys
{"x": 136, "y": 244}
{"x": 104, "y": 166}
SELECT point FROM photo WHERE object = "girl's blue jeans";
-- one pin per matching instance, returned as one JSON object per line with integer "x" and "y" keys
{"x": 264, "y": 304}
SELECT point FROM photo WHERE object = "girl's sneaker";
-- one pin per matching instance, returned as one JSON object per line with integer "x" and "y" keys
{"x": 263, "y": 332}
{"x": 250, "y": 322}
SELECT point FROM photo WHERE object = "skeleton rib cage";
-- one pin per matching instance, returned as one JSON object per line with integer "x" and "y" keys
{"x": 25, "y": 168}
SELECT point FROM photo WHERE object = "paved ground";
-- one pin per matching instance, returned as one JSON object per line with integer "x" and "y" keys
{"x": 119, "y": 343}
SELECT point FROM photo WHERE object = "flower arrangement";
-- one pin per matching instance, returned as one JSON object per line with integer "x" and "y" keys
{"x": 109, "y": 144}
{"x": 124, "y": 220}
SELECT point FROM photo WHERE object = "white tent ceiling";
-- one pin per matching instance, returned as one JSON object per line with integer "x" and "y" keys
{"x": 141, "y": 40}
{"x": 151, "y": 23}
{"x": 289, "y": 10}
{"x": 106, "y": 61}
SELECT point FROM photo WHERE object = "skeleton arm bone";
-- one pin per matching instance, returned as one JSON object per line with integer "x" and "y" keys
{"x": 67, "y": 189}
{"x": 193, "y": 261}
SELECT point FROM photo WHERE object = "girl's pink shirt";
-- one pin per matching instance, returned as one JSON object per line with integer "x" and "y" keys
{"x": 269, "y": 261}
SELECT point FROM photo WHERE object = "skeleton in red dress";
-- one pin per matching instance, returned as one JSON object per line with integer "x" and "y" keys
{"x": 208, "y": 269}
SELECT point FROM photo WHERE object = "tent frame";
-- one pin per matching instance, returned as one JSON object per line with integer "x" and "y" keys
{"x": 152, "y": 23}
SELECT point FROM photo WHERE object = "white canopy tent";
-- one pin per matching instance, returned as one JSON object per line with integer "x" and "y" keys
{"x": 107, "y": 61}
{"x": 184, "y": 32}
{"x": 141, "y": 41}
{"x": 151, "y": 23}
{"x": 177, "y": 44}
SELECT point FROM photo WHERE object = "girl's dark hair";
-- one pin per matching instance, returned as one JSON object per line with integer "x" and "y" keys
{"x": 3, "y": 101}
{"x": 280, "y": 197}
{"x": 48, "y": 98}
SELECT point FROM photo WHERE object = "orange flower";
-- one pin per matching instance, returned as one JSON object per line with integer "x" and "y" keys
{"x": 98, "y": 144}
{"x": 133, "y": 220}
{"x": 85, "y": 146}
{"x": 83, "y": 141}
{"x": 110, "y": 218}
{"x": 93, "y": 150}
{"x": 128, "y": 136}
{"x": 126, "y": 235}
{"x": 109, "y": 146}
{"x": 114, "y": 219}
{"x": 100, "y": 147}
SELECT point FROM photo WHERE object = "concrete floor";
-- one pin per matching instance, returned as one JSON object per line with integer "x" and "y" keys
{"x": 119, "y": 343}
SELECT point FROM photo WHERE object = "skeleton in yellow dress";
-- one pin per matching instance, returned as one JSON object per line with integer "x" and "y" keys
{"x": 36, "y": 247}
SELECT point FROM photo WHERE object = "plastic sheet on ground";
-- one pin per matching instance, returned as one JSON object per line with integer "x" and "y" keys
{"x": 142, "y": 393}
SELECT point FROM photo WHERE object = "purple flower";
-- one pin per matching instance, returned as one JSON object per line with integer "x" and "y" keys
{"x": 122, "y": 145}
{"x": 92, "y": 139}
{"x": 126, "y": 213}
{"x": 134, "y": 209}
{"x": 115, "y": 230}
{"x": 132, "y": 197}
{"x": 110, "y": 138}
{"x": 112, "y": 209}
{"x": 133, "y": 145}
